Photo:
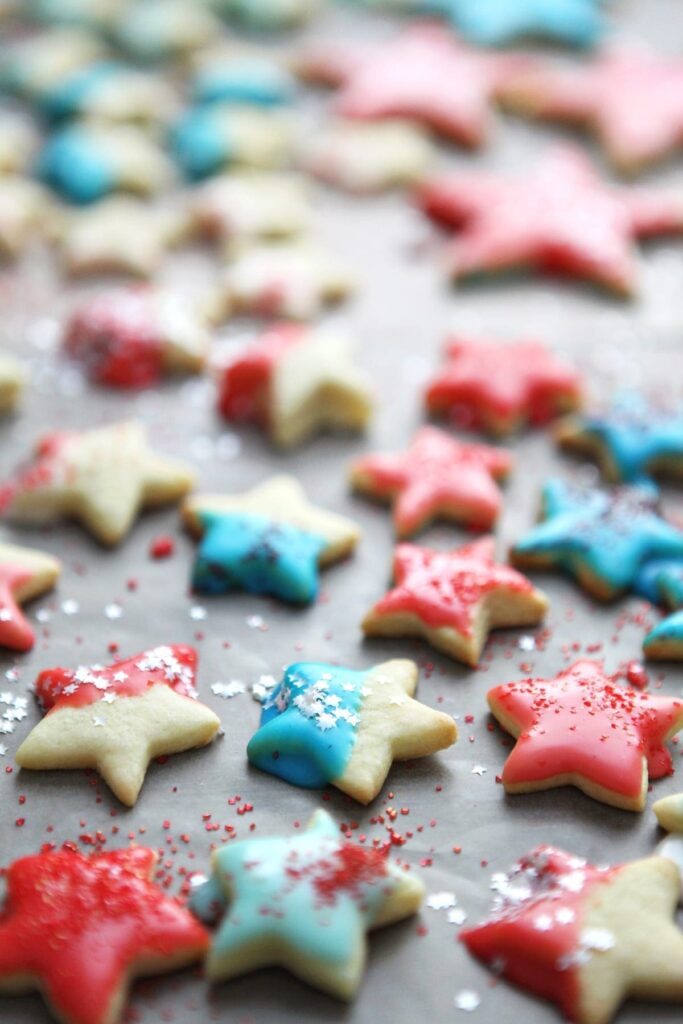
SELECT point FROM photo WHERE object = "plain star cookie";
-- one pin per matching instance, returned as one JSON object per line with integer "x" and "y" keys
{"x": 632, "y": 100}
{"x": 633, "y": 438}
{"x": 212, "y": 138}
{"x": 118, "y": 719}
{"x": 80, "y": 929}
{"x": 270, "y": 540}
{"x": 453, "y": 598}
{"x": 24, "y": 574}
{"x": 324, "y": 724}
{"x": 12, "y": 380}
{"x": 295, "y": 382}
{"x": 101, "y": 477}
{"x": 602, "y": 539}
{"x": 581, "y": 729}
{"x": 251, "y": 206}
{"x": 500, "y": 387}
{"x": 303, "y": 903}
{"x": 585, "y": 937}
{"x": 438, "y": 477}
{"x": 495, "y": 22}
{"x": 132, "y": 337}
{"x": 528, "y": 222}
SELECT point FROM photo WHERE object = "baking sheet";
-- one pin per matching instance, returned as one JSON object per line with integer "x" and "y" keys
{"x": 400, "y": 316}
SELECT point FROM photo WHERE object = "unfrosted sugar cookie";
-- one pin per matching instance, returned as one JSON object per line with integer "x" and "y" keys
{"x": 24, "y": 575}
{"x": 329, "y": 725}
{"x": 270, "y": 540}
{"x": 224, "y": 74}
{"x": 12, "y": 380}
{"x": 601, "y": 538}
{"x": 438, "y": 477}
{"x": 80, "y": 929}
{"x": 294, "y": 382}
{"x": 582, "y": 729}
{"x": 85, "y": 162}
{"x": 210, "y": 138}
{"x": 251, "y": 205}
{"x": 119, "y": 718}
{"x": 302, "y": 903}
{"x": 453, "y": 598}
{"x": 18, "y": 142}
{"x": 367, "y": 158}
{"x": 31, "y": 67}
{"x": 585, "y": 937}
{"x": 131, "y": 337}
{"x": 24, "y": 207}
{"x": 111, "y": 91}
{"x": 499, "y": 386}
{"x": 101, "y": 477}
{"x": 152, "y": 30}
{"x": 528, "y": 221}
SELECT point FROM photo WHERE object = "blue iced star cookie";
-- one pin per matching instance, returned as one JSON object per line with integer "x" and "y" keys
{"x": 496, "y": 22}
{"x": 633, "y": 438}
{"x": 324, "y": 724}
{"x": 656, "y": 572}
{"x": 212, "y": 137}
{"x": 665, "y": 641}
{"x": 601, "y": 538}
{"x": 303, "y": 903}
{"x": 252, "y": 80}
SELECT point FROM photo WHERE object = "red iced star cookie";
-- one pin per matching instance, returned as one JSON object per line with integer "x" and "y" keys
{"x": 581, "y": 729}
{"x": 437, "y": 477}
{"x": 24, "y": 574}
{"x": 453, "y": 598}
{"x": 80, "y": 928}
{"x": 489, "y": 385}
{"x": 425, "y": 74}
{"x": 558, "y": 218}
{"x": 632, "y": 100}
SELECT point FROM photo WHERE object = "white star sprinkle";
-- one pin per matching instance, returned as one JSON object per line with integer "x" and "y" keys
{"x": 479, "y": 770}
{"x": 467, "y": 1000}
{"x": 441, "y": 900}
{"x": 3, "y": 749}
{"x": 456, "y": 916}
{"x": 227, "y": 690}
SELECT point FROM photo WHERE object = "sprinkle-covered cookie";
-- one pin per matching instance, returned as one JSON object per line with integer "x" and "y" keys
{"x": 528, "y": 222}
{"x": 453, "y": 598}
{"x": 223, "y": 74}
{"x": 582, "y": 729}
{"x": 101, "y": 477}
{"x": 270, "y": 540}
{"x": 633, "y": 438}
{"x": 118, "y": 719}
{"x": 501, "y": 386}
{"x": 12, "y": 380}
{"x": 80, "y": 929}
{"x": 438, "y": 477}
{"x": 302, "y": 903}
{"x": 23, "y": 210}
{"x": 324, "y": 724}
{"x": 495, "y": 22}
{"x": 251, "y": 205}
{"x": 585, "y": 937}
{"x": 113, "y": 92}
{"x": 601, "y": 538}
{"x": 131, "y": 337}
{"x": 211, "y": 138}
{"x": 24, "y": 575}
{"x": 295, "y": 382}
{"x": 155, "y": 29}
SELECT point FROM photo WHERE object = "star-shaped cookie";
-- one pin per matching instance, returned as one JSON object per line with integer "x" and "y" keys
{"x": 302, "y": 903}
{"x": 634, "y": 437}
{"x": 18, "y": 142}
{"x": 662, "y": 582}
{"x": 112, "y": 92}
{"x": 158, "y": 29}
{"x": 119, "y": 718}
{"x": 582, "y": 729}
{"x": 669, "y": 812}
{"x": 453, "y": 598}
{"x": 32, "y": 66}
{"x": 269, "y": 540}
{"x": 23, "y": 213}
{"x": 530, "y": 221}
{"x": 250, "y": 205}
{"x": 501, "y": 386}
{"x": 633, "y": 101}
{"x": 79, "y": 929}
{"x": 438, "y": 477}
{"x": 324, "y": 724}
{"x": 131, "y": 337}
{"x": 12, "y": 379}
{"x": 269, "y": 15}
{"x": 101, "y": 477}
{"x": 24, "y": 574}
{"x": 495, "y": 22}
{"x": 583, "y": 937}
{"x": 600, "y": 538}
{"x": 295, "y": 382}
{"x": 224, "y": 74}
{"x": 210, "y": 138}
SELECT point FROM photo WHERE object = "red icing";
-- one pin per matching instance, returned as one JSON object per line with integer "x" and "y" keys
{"x": 580, "y": 722}
{"x": 173, "y": 666}
{"x": 15, "y": 630}
{"x": 487, "y": 383}
{"x": 531, "y": 220}
{"x": 116, "y": 337}
{"x": 437, "y": 475}
{"x": 535, "y": 938}
{"x": 76, "y": 926}
{"x": 244, "y": 392}
{"x": 344, "y": 872}
{"x": 444, "y": 588}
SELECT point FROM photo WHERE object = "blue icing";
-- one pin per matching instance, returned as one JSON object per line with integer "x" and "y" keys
{"x": 72, "y": 94}
{"x": 253, "y": 81}
{"x": 610, "y": 535}
{"x": 308, "y": 724}
{"x": 73, "y": 163}
{"x": 493, "y": 22}
{"x": 647, "y": 582}
{"x": 201, "y": 144}
{"x": 254, "y": 553}
{"x": 636, "y": 432}
{"x": 275, "y": 899}
{"x": 670, "y": 629}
